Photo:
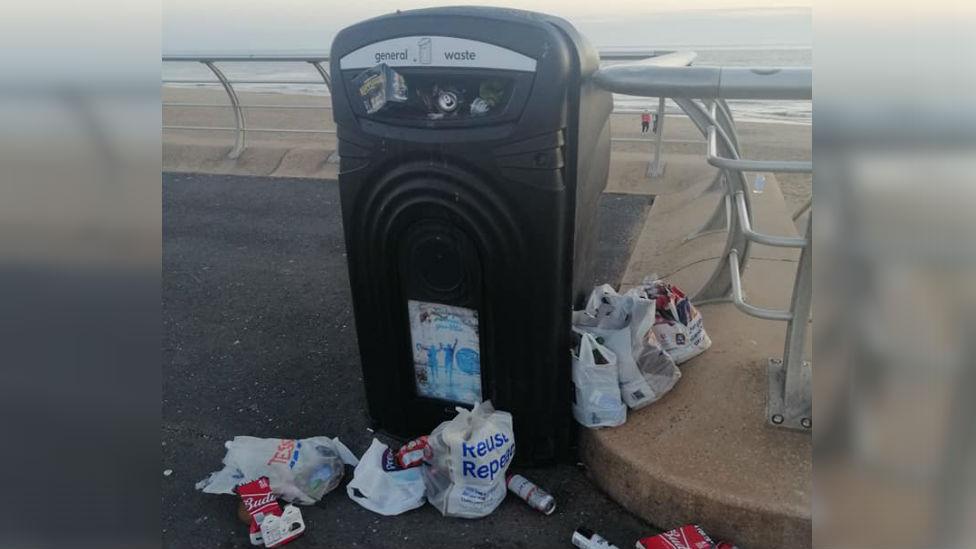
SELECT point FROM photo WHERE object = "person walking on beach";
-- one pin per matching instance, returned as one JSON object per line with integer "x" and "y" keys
{"x": 645, "y": 121}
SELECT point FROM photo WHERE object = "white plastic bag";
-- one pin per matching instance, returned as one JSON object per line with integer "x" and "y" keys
{"x": 624, "y": 324}
{"x": 300, "y": 471}
{"x": 465, "y": 475}
{"x": 381, "y": 486}
{"x": 678, "y": 325}
{"x": 596, "y": 396}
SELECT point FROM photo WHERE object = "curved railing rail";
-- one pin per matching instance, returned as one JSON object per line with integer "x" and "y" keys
{"x": 240, "y": 120}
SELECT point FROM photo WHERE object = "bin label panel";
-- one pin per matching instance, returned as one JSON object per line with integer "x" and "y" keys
{"x": 436, "y": 51}
{"x": 446, "y": 351}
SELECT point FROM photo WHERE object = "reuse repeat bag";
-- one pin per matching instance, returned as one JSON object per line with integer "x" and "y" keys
{"x": 677, "y": 324}
{"x": 301, "y": 471}
{"x": 596, "y": 388}
{"x": 465, "y": 474}
{"x": 624, "y": 324}
{"x": 382, "y": 486}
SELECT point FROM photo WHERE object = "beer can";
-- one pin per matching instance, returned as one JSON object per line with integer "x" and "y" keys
{"x": 536, "y": 497}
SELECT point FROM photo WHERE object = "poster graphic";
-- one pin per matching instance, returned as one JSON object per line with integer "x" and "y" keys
{"x": 446, "y": 359}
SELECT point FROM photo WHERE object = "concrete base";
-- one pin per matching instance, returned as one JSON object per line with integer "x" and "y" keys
{"x": 704, "y": 453}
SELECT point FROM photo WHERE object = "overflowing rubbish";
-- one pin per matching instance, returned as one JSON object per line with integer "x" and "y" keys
{"x": 584, "y": 538}
{"x": 379, "y": 86}
{"x": 596, "y": 389}
{"x": 642, "y": 335}
{"x": 300, "y": 471}
{"x": 687, "y": 537}
{"x": 381, "y": 484}
{"x": 277, "y": 530}
{"x": 536, "y": 497}
{"x": 678, "y": 325}
{"x": 625, "y": 324}
{"x": 469, "y": 456}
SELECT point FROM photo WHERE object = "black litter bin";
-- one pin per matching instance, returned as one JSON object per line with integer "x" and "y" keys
{"x": 474, "y": 148}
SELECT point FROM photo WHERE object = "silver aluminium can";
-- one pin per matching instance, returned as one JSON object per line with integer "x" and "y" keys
{"x": 536, "y": 497}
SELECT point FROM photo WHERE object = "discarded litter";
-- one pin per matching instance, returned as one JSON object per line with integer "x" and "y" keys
{"x": 412, "y": 453}
{"x": 469, "y": 456}
{"x": 678, "y": 325}
{"x": 382, "y": 485}
{"x": 279, "y": 530}
{"x": 641, "y": 335}
{"x": 269, "y": 525}
{"x": 596, "y": 393}
{"x": 584, "y": 538}
{"x": 300, "y": 471}
{"x": 536, "y": 497}
{"x": 380, "y": 85}
{"x": 625, "y": 325}
{"x": 687, "y": 537}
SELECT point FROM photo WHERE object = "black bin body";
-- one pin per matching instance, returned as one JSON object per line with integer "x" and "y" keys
{"x": 470, "y": 235}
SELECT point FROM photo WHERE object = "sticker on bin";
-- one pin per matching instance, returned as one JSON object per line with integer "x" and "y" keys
{"x": 436, "y": 51}
{"x": 445, "y": 345}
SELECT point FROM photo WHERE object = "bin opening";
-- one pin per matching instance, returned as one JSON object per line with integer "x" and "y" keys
{"x": 423, "y": 95}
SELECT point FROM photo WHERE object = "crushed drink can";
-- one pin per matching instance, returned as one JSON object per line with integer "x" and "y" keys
{"x": 691, "y": 536}
{"x": 536, "y": 497}
{"x": 413, "y": 453}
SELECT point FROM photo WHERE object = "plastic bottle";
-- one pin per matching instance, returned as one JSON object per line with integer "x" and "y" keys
{"x": 759, "y": 184}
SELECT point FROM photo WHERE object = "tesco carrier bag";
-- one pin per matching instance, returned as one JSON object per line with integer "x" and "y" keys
{"x": 469, "y": 455}
{"x": 300, "y": 470}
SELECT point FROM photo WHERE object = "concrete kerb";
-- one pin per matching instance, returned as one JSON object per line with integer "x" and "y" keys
{"x": 202, "y": 157}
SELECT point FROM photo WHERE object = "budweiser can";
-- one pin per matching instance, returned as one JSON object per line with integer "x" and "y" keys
{"x": 536, "y": 497}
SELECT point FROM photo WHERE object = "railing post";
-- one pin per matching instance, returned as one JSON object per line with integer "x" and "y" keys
{"x": 656, "y": 169}
{"x": 238, "y": 111}
{"x": 719, "y": 285}
{"x": 789, "y": 400}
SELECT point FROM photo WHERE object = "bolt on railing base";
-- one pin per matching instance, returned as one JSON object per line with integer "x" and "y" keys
{"x": 790, "y": 411}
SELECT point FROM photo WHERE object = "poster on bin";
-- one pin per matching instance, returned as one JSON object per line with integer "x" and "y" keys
{"x": 446, "y": 360}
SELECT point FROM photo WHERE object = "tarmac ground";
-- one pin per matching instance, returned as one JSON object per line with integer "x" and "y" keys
{"x": 259, "y": 339}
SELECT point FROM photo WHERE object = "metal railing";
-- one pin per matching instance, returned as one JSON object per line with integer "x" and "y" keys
{"x": 241, "y": 128}
{"x": 702, "y": 92}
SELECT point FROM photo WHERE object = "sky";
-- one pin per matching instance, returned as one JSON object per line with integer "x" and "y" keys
{"x": 308, "y": 25}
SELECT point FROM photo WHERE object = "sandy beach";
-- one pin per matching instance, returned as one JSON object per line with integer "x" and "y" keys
{"x": 765, "y": 140}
